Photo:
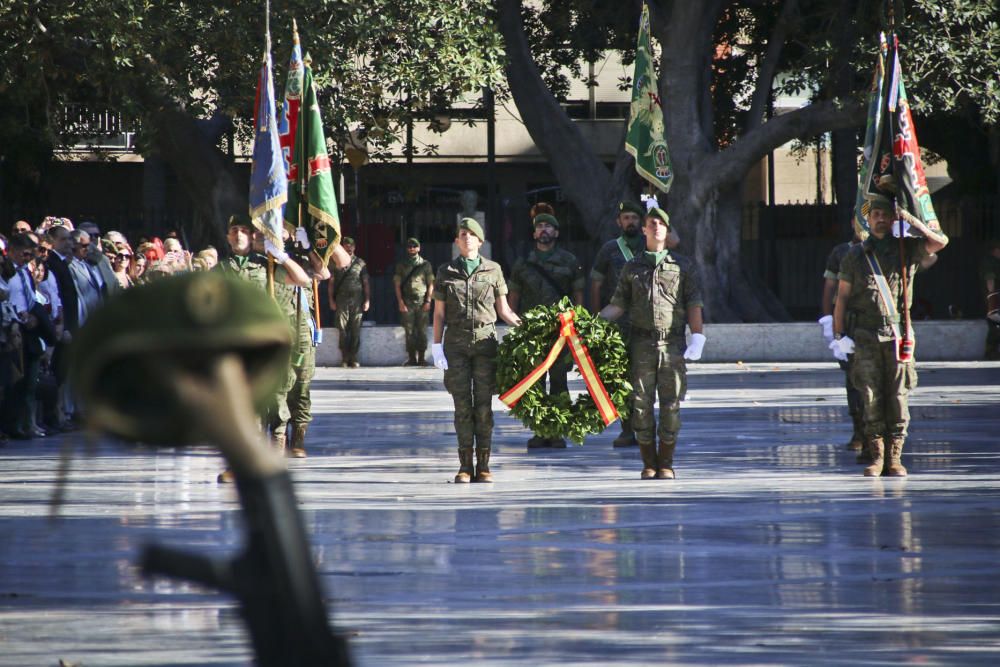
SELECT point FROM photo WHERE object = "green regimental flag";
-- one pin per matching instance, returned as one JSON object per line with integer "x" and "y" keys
{"x": 311, "y": 179}
{"x": 876, "y": 100}
{"x": 645, "y": 141}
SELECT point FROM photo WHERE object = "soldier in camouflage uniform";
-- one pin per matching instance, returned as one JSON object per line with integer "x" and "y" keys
{"x": 470, "y": 293}
{"x": 251, "y": 266}
{"x": 608, "y": 264}
{"x": 414, "y": 284}
{"x": 543, "y": 278}
{"x": 867, "y": 327}
{"x": 349, "y": 295}
{"x": 989, "y": 274}
{"x": 660, "y": 292}
{"x": 297, "y": 303}
{"x": 830, "y": 274}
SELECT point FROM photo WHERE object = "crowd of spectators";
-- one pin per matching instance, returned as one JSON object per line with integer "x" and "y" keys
{"x": 52, "y": 278}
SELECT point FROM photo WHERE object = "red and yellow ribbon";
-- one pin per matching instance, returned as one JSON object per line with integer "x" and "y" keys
{"x": 567, "y": 334}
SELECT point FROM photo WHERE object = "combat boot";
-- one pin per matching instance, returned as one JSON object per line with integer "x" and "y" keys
{"x": 279, "y": 442}
{"x": 625, "y": 439}
{"x": 420, "y": 358}
{"x": 665, "y": 462}
{"x": 648, "y": 453}
{"x": 865, "y": 456}
{"x": 227, "y": 476}
{"x": 299, "y": 441}
{"x": 877, "y": 448}
{"x": 537, "y": 442}
{"x": 894, "y": 467}
{"x": 466, "y": 469}
{"x": 483, "y": 473}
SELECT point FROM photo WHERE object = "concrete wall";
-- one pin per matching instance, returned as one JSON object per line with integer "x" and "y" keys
{"x": 937, "y": 340}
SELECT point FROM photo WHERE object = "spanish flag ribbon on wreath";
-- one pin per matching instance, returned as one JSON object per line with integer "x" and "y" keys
{"x": 567, "y": 335}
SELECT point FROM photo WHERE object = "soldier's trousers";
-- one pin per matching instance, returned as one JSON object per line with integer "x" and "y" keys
{"x": 348, "y": 323}
{"x": 278, "y": 414}
{"x": 299, "y": 398}
{"x": 854, "y": 405}
{"x": 471, "y": 381}
{"x": 884, "y": 385}
{"x": 657, "y": 370}
{"x": 992, "y": 339}
{"x": 414, "y": 322}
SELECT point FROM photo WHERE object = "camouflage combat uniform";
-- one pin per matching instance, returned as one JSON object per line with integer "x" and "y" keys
{"x": 883, "y": 382}
{"x": 542, "y": 279}
{"x": 470, "y": 345}
{"x": 415, "y": 276}
{"x": 854, "y": 408}
{"x": 297, "y": 303}
{"x": 656, "y": 296}
{"x": 608, "y": 265}
{"x": 349, "y": 294}
{"x": 253, "y": 269}
{"x": 989, "y": 269}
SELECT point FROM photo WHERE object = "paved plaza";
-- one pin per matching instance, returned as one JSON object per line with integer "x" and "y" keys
{"x": 769, "y": 548}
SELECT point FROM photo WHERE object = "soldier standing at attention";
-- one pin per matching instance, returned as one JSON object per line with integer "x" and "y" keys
{"x": 414, "y": 284}
{"x": 660, "y": 293}
{"x": 866, "y": 323}
{"x": 547, "y": 275}
{"x": 297, "y": 302}
{"x": 608, "y": 264}
{"x": 251, "y": 266}
{"x": 471, "y": 293}
{"x": 826, "y": 322}
{"x": 350, "y": 295}
{"x": 989, "y": 274}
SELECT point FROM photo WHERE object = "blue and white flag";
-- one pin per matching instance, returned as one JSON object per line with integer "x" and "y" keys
{"x": 268, "y": 179}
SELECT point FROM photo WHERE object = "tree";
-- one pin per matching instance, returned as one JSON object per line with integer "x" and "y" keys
{"x": 187, "y": 72}
{"x": 719, "y": 70}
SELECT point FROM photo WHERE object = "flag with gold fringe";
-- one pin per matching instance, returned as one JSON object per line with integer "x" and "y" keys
{"x": 645, "y": 137}
{"x": 312, "y": 200}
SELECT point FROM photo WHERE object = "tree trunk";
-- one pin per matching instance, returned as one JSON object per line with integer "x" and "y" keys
{"x": 206, "y": 174}
{"x": 704, "y": 203}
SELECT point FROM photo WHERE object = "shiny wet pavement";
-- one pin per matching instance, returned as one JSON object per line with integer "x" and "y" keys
{"x": 770, "y": 548}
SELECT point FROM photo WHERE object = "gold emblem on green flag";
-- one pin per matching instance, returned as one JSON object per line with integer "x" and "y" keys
{"x": 313, "y": 185}
{"x": 645, "y": 138}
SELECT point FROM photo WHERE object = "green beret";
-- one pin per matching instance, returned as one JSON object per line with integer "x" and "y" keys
{"x": 657, "y": 212}
{"x": 347, "y": 240}
{"x": 884, "y": 203}
{"x": 413, "y": 242}
{"x": 472, "y": 226}
{"x": 181, "y": 322}
{"x": 631, "y": 207}
{"x": 545, "y": 217}
{"x": 240, "y": 219}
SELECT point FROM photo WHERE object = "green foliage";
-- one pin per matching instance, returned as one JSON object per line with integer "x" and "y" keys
{"x": 376, "y": 63}
{"x": 951, "y": 50}
{"x": 527, "y": 345}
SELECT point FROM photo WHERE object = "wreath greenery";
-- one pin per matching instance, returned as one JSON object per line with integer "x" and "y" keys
{"x": 526, "y": 346}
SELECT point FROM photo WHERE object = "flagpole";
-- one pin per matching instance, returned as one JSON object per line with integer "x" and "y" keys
{"x": 905, "y": 345}
{"x": 267, "y": 50}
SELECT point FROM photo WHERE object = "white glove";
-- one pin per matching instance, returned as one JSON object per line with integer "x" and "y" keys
{"x": 437, "y": 350}
{"x": 651, "y": 202}
{"x": 280, "y": 256}
{"x": 841, "y": 347}
{"x": 694, "y": 349}
{"x": 302, "y": 237}
{"x": 827, "y": 323}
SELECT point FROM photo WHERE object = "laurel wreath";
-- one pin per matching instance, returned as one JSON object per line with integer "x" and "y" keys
{"x": 526, "y": 346}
